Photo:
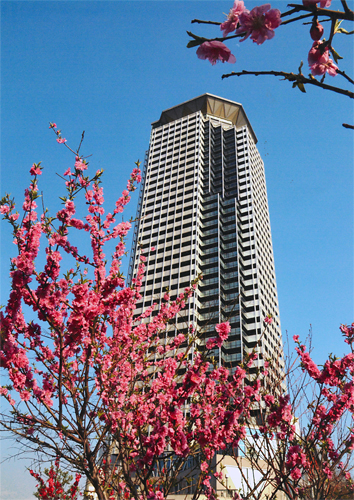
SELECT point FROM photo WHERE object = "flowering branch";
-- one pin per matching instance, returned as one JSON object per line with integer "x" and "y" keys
{"x": 260, "y": 24}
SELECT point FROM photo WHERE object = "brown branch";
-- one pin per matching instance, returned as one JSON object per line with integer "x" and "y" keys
{"x": 345, "y": 6}
{"x": 199, "y": 40}
{"x": 346, "y": 125}
{"x": 289, "y": 13}
{"x": 333, "y": 14}
{"x": 304, "y": 16}
{"x": 292, "y": 77}
{"x": 344, "y": 75}
{"x": 199, "y": 21}
{"x": 82, "y": 138}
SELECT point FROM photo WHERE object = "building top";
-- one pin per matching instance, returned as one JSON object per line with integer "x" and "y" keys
{"x": 211, "y": 105}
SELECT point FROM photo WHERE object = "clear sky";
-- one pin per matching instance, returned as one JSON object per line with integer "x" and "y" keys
{"x": 110, "y": 68}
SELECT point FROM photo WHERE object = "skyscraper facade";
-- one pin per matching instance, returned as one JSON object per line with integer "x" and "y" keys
{"x": 203, "y": 207}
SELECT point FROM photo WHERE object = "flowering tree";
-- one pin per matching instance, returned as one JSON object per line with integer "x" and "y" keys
{"x": 116, "y": 397}
{"x": 113, "y": 396}
{"x": 56, "y": 485}
{"x": 302, "y": 442}
{"x": 260, "y": 24}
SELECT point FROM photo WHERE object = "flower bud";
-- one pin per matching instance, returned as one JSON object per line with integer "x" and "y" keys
{"x": 316, "y": 30}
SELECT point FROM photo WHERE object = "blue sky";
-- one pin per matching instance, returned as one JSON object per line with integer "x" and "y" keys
{"x": 110, "y": 68}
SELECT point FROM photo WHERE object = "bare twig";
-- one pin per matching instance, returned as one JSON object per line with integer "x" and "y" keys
{"x": 82, "y": 138}
{"x": 199, "y": 21}
{"x": 304, "y": 16}
{"x": 342, "y": 73}
{"x": 199, "y": 40}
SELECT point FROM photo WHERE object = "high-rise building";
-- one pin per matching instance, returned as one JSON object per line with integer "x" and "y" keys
{"x": 203, "y": 206}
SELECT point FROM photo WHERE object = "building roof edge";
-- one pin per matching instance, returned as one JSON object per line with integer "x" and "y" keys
{"x": 208, "y": 104}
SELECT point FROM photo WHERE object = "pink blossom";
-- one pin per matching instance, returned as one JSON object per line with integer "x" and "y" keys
{"x": 35, "y": 170}
{"x": 210, "y": 343}
{"x": 316, "y": 30}
{"x": 215, "y": 51}
{"x": 204, "y": 466}
{"x": 232, "y": 19}
{"x": 259, "y": 24}
{"x": 268, "y": 320}
{"x": 318, "y": 53}
{"x": 348, "y": 331}
{"x": 25, "y": 395}
{"x": 4, "y": 209}
{"x": 307, "y": 364}
{"x": 80, "y": 164}
{"x": 70, "y": 207}
{"x": 319, "y": 69}
{"x": 328, "y": 472}
{"x": 319, "y": 60}
{"x": 223, "y": 330}
{"x": 269, "y": 399}
{"x": 61, "y": 140}
{"x": 295, "y": 474}
{"x": 156, "y": 495}
{"x": 52, "y": 125}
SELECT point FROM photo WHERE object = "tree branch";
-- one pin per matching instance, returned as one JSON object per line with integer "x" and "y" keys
{"x": 345, "y": 6}
{"x": 304, "y": 16}
{"x": 333, "y": 14}
{"x": 342, "y": 73}
{"x": 199, "y": 21}
{"x": 292, "y": 77}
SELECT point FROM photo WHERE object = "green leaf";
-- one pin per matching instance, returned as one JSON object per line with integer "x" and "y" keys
{"x": 337, "y": 24}
{"x": 193, "y": 43}
{"x": 300, "y": 86}
{"x": 345, "y": 32}
{"x": 197, "y": 40}
{"x": 335, "y": 55}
